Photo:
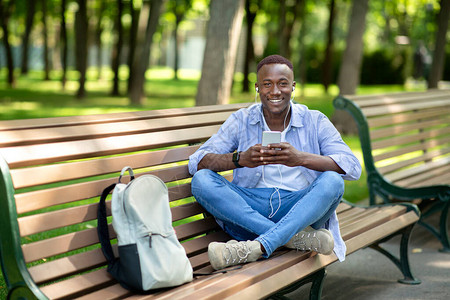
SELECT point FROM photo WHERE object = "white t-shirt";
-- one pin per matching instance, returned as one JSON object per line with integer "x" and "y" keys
{"x": 281, "y": 176}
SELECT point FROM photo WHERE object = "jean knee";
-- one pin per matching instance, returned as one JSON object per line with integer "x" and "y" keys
{"x": 200, "y": 177}
{"x": 334, "y": 182}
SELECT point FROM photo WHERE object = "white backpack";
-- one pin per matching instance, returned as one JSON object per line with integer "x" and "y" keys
{"x": 150, "y": 255}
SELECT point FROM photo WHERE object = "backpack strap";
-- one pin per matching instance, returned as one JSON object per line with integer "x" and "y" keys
{"x": 102, "y": 227}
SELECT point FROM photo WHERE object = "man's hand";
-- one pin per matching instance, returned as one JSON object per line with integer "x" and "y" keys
{"x": 285, "y": 154}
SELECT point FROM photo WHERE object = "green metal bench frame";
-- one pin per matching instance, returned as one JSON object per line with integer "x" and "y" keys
{"x": 379, "y": 186}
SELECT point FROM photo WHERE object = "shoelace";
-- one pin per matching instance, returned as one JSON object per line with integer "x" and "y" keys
{"x": 301, "y": 244}
{"x": 240, "y": 250}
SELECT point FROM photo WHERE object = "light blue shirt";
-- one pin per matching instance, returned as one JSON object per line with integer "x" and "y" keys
{"x": 309, "y": 131}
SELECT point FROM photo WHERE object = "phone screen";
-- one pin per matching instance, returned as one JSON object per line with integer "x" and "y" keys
{"x": 271, "y": 137}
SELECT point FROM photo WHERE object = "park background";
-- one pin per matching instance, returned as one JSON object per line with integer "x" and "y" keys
{"x": 78, "y": 57}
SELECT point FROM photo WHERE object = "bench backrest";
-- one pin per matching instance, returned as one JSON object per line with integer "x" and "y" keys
{"x": 404, "y": 134}
{"x": 53, "y": 171}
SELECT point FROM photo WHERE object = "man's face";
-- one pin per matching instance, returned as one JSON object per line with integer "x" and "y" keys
{"x": 275, "y": 85}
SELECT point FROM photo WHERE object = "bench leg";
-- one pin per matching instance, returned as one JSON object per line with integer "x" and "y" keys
{"x": 403, "y": 262}
{"x": 442, "y": 233}
{"x": 315, "y": 292}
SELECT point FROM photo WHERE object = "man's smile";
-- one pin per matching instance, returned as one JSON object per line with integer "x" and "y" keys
{"x": 275, "y": 100}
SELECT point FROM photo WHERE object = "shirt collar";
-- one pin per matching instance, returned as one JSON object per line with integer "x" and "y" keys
{"x": 296, "y": 117}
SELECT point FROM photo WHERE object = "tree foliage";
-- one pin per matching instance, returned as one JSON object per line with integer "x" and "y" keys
{"x": 313, "y": 34}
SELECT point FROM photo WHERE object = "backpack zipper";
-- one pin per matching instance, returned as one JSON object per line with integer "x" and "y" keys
{"x": 150, "y": 234}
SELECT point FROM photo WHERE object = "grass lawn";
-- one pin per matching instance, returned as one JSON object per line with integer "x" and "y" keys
{"x": 34, "y": 98}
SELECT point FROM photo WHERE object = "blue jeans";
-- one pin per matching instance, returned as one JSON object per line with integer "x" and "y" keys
{"x": 244, "y": 212}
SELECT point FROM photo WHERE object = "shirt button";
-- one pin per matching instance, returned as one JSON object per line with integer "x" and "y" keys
{"x": 257, "y": 174}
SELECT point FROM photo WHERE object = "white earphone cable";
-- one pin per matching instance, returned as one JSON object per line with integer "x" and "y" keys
{"x": 277, "y": 188}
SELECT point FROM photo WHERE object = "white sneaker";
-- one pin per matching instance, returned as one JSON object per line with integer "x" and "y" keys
{"x": 231, "y": 253}
{"x": 320, "y": 241}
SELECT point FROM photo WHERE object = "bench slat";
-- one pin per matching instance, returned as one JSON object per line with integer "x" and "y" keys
{"x": 389, "y": 101}
{"x": 85, "y": 132}
{"x": 413, "y": 148}
{"x": 22, "y": 156}
{"x": 66, "y": 266}
{"x": 111, "y": 292}
{"x": 407, "y": 117}
{"x": 28, "y": 177}
{"x": 441, "y": 179}
{"x": 362, "y": 218}
{"x": 356, "y": 217}
{"x": 350, "y": 213}
{"x": 398, "y": 108}
{"x": 384, "y": 214}
{"x": 401, "y": 140}
{"x": 400, "y": 129}
{"x": 396, "y": 95}
{"x": 78, "y": 285}
{"x": 419, "y": 159}
{"x": 61, "y": 244}
{"x": 425, "y": 167}
{"x": 116, "y": 117}
{"x": 437, "y": 176}
{"x": 343, "y": 207}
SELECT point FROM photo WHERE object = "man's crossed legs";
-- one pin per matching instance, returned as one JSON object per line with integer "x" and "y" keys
{"x": 244, "y": 214}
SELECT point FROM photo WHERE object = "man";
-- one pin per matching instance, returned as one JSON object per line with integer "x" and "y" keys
{"x": 278, "y": 190}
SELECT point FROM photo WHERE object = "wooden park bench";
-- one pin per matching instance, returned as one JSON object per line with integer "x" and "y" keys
{"x": 405, "y": 139}
{"x": 54, "y": 170}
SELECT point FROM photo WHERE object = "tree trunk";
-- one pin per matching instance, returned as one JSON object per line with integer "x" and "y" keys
{"x": 63, "y": 41}
{"x": 220, "y": 52}
{"x": 249, "y": 48}
{"x": 117, "y": 50}
{"x": 98, "y": 37}
{"x": 5, "y": 12}
{"x": 142, "y": 57}
{"x": 176, "y": 38}
{"x": 283, "y": 40}
{"x": 328, "y": 61}
{"x": 81, "y": 28}
{"x": 31, "y": 9}
{"x": 349, "y": 72}
{"x": 302, "y": 62}
{"x": 437, "y": 66}
{"x": 135, "y": 13}
{"x": 45, "y": 38}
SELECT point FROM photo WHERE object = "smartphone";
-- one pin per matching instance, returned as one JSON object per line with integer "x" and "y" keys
{"x": 271, "y": 137}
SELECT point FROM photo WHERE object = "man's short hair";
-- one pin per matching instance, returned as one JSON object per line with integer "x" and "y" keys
{"x": 274, "y": 59}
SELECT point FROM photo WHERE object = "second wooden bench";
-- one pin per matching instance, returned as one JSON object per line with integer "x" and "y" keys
{"x": 405, "y": 139}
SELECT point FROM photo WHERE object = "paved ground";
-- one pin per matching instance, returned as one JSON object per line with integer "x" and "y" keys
{"x": 369, "y": 275}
